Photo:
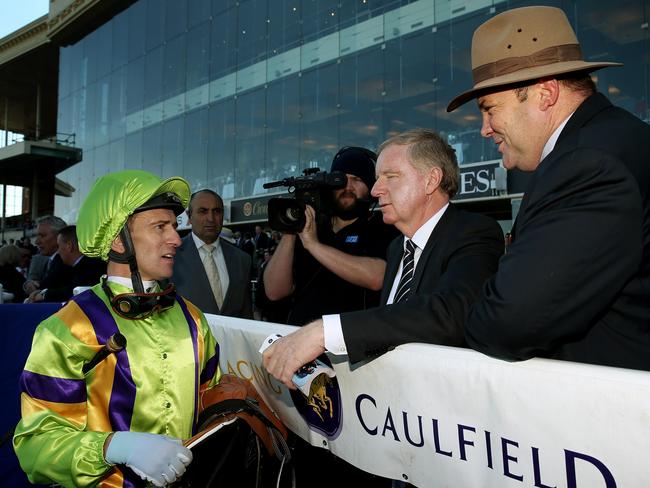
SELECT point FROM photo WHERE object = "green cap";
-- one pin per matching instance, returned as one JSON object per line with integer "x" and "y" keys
{"x": 116, "y": 196}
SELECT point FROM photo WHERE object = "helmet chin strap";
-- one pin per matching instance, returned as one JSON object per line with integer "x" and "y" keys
{"x": 128, "y": 257}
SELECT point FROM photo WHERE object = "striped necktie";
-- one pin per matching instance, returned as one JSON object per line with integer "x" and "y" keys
{"x": 408, "y": 267}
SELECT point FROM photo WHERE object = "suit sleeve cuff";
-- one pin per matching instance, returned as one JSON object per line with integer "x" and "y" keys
{"x": 334, "y": 341}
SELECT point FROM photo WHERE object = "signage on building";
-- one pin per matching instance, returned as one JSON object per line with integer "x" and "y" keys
{"x": 484, "y": 179}
{"x": 254, "y": 209}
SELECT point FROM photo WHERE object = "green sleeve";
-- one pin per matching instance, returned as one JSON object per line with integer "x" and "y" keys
{"x": 50, "y": 440}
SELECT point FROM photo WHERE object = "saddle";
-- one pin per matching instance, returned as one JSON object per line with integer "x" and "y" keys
{"x": 240, "y": 441}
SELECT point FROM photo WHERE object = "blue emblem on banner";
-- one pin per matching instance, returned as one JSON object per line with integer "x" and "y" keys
{"x": 322, "y": 410}
{"x": 352, "y": 239}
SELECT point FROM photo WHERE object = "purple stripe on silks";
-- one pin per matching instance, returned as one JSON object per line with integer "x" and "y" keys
{"x": 194, "y": 330}
{"x": 130, "y": 479}
{"x": 52, "y": 389}
{"x": 210, "y": 367}
{"x": 120, "y": 408}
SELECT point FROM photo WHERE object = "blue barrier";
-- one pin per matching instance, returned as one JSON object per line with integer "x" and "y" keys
{"x": 17, "y": 325}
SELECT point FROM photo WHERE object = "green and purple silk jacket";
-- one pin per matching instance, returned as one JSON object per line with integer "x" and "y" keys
{"x": 153, "y": 385}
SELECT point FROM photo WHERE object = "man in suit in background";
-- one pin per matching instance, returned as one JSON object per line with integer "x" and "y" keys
{"x": 261, "y": 239}
{"x": 47, "y": 263}
{"x": 575, "y": 282}
{"x": 82, "y": 270}
{"x": 434, "y": 272}
{"x": 247, "y": 245}
{"x": 212, "y": 273}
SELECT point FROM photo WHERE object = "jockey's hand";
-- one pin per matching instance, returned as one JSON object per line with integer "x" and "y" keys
{"x": 156, "y": 458}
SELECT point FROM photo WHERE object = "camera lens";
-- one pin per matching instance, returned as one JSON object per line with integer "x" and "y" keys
{"x": 293, "y": 214}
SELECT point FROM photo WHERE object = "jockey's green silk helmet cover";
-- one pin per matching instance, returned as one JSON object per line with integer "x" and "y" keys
{"x": 112, "y": 199}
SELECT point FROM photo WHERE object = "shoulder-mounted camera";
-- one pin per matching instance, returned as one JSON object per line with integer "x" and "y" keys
{"x": 314, "y": 188}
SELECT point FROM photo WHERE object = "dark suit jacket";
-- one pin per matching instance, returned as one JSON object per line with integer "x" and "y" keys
{"x": 462, "y": 251}
{"x": 261, "y": 241}
{"x": 12, "y": 281}
{"x": 85, "y": 273}
{"x": 192, "y": 281}
{"x": 575, "y": 283}
{"x": 57, "y": 274}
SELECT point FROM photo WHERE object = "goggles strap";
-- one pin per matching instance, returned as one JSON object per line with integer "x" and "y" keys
{"x": 128, "y": 257}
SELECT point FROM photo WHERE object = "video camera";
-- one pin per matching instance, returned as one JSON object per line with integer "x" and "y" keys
{"x": 315, "y": 189}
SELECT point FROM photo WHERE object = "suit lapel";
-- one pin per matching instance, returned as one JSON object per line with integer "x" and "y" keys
{"x": 190, "y": 254}
{"x": 395, "y": 253}
{"x": 231, "y": 264}
{"x": 588, "y": 109}
{"x": 434, "y": 239}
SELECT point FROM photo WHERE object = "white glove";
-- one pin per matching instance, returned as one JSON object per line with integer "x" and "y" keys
{"x": 157, "y": 458}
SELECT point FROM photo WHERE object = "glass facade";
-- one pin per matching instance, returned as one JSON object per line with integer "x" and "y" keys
{"x": 232, "y": 94}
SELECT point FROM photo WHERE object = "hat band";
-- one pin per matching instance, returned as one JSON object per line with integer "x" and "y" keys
{"x": 549, "y": 55}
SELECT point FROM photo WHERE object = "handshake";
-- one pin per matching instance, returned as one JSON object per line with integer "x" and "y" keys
{"x": 156, "y": 458}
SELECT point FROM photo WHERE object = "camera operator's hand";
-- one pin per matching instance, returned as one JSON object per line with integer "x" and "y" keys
{"x": 308, "y": 235}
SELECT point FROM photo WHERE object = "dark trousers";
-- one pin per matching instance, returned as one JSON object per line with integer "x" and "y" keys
{"x": 319, "y": 467}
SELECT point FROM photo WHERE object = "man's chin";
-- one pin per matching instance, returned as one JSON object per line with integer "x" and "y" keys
{"x": 346, "y": 203}
{"x": 348, "y": 213}
{"x": 387, "y": 216}
{"x": 209, "y": 238}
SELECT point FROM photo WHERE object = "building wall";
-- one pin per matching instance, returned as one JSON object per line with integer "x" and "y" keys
{"x": 232, "y": 94}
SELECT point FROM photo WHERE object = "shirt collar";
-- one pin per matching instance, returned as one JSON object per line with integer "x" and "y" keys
{"x": 199, "y": 243}
{"x": 120, "y": 280}
{"x": 77, "y": 261}
{"x": 421, "y": 236}
{"x": 550, "y": 144}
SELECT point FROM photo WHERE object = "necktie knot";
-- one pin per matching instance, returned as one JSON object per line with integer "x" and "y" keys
{"x": 410, "y": 247}
{"x": 209, "y": 248}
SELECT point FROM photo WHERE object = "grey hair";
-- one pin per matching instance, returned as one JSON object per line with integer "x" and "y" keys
{"x": 428, "y": 150}
{"x": 56, "y": 223}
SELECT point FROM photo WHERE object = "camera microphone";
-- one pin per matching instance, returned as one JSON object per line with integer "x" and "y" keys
{"x": 114, "y": 344}
{"x": 291, "y": 181}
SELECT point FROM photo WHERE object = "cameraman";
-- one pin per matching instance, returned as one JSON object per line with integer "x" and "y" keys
{"x": 338, "y": 263}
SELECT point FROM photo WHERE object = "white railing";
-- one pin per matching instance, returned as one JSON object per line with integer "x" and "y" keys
{"x": 441, "y": 416}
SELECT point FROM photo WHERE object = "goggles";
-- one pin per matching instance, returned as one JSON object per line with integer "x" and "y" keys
{"x": 136, "y": 306}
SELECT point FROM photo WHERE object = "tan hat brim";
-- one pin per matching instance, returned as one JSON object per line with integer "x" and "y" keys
{"x": 526, "y": 74}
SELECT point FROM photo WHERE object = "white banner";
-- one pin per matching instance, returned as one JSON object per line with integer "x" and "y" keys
{"x": 439, "y": 416}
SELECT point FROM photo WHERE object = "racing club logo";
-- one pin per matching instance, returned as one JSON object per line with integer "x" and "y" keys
{"x": 322, "y": 410}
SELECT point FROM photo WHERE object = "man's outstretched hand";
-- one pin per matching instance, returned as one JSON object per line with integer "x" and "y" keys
{"x": 286, "y": 355}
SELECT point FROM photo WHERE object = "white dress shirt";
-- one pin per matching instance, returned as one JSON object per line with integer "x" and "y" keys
{"x": 217, "y": 255}
{"x": 550, "y": 144}
{"x": 334, "y": 341}
{"x": 147, "y": 285}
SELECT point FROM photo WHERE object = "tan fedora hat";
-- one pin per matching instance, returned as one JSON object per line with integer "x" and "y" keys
{"x": 520, "y": 45}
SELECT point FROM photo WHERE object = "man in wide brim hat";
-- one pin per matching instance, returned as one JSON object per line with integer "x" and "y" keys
{"x": 575, "y": 282}
{"x": 521, "y": 45}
